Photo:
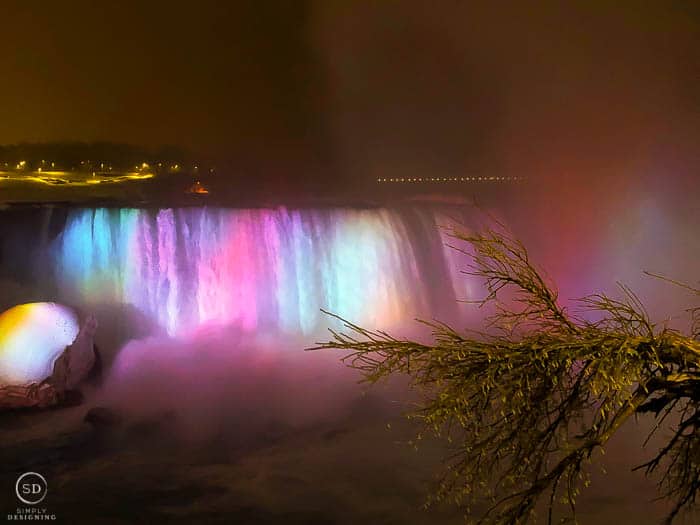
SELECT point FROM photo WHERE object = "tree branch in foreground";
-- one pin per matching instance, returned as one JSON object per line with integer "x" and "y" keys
{"x": 526, "y": 408}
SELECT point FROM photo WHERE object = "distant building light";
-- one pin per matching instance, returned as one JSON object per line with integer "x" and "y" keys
{"x": 197, "y": 188}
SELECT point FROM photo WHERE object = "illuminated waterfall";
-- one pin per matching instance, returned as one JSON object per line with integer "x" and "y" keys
{"x": 262, "y": 269}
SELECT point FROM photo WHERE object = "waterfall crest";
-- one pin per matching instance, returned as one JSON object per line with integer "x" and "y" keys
{"x": 261, "y": 269}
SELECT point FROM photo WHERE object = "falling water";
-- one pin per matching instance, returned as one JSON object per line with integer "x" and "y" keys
{"x": 262, "y": 269}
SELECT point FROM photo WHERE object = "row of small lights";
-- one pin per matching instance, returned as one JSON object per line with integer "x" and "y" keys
{"x": 144, "y": 166}
{"x": 451, "y": 179}
{"x": 54, "y": 177}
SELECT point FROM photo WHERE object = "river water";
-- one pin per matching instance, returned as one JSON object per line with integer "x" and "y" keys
{"x": 204, "y": 314}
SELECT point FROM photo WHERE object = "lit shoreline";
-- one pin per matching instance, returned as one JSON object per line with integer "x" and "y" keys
{"x": 67, "y": 178}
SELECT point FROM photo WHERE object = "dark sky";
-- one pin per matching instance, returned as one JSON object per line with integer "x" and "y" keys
{"x": 362, "y": 88}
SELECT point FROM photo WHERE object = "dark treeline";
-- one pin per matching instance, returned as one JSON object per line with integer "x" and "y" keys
{"x": 67, "y": 155}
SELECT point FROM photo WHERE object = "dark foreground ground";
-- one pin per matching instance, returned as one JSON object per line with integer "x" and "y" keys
{"x": 345, "y": 469}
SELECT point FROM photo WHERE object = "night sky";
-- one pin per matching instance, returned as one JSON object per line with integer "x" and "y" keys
{"x": 361, "y": 89}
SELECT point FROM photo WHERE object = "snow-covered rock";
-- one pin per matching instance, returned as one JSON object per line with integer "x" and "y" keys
{"x": 44, "y": 351}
